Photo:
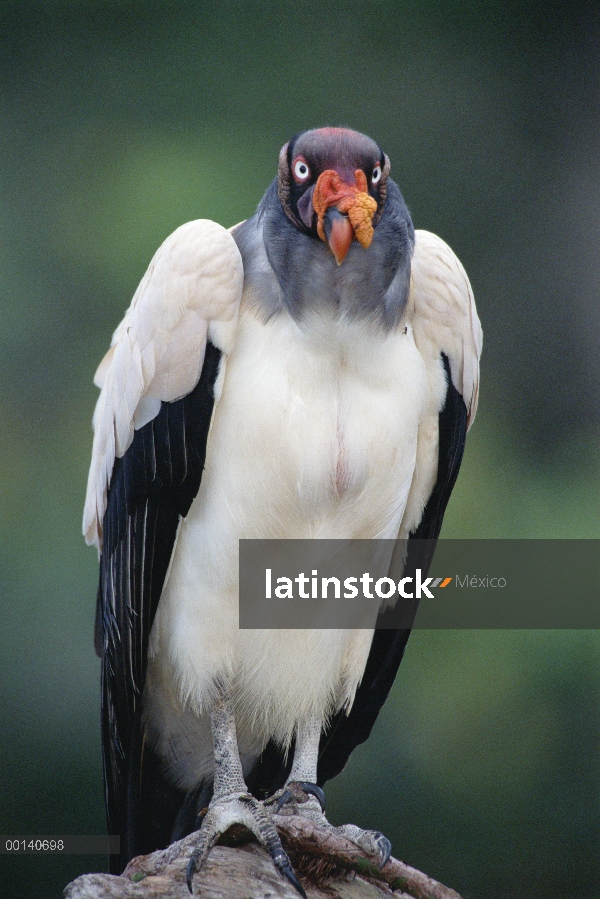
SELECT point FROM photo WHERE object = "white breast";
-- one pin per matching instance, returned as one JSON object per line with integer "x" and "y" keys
{"x": 315, "y": 436}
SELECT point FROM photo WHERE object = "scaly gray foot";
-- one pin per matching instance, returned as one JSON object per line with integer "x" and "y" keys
{"x": 308, "y": 800}
{"x": 240, "y": 808}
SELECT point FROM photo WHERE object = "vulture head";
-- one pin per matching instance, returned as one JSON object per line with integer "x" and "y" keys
{"x": 335, "y": 231}
{"x": 332, "y": 183}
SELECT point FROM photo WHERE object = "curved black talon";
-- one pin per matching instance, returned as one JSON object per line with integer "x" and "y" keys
{"x": 386, "y": 848}
{"x": 316, "y": 791}
{"x": 191, "y": 867}
{"x": 287, "y": 794}
{"x": 282, "y": 863}
{"x": 307, "y": 787}
{"x": 278, "y": 856}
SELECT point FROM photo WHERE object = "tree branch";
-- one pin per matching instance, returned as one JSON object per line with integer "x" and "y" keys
{"x": 329, "y": 866}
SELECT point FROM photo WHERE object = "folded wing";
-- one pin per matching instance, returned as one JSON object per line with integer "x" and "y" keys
{"x": 151, "y": 425}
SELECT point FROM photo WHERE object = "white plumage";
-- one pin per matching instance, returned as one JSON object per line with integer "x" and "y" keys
{"x": 346, "y": 417}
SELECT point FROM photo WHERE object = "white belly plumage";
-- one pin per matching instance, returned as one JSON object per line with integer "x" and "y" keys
{"x": 315, "y": 435}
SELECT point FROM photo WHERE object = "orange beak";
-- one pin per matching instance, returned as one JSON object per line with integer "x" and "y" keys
{"x": 352, "y": 213}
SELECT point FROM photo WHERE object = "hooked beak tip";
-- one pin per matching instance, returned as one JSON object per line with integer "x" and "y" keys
{"x": 339, "y": 233}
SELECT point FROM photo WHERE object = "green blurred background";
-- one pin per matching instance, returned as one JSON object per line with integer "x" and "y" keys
{"x": 120, "y": 121}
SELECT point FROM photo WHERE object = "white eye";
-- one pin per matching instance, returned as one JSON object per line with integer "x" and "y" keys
{"x": 376, "y": 176}
{"x": 300, "y": 169}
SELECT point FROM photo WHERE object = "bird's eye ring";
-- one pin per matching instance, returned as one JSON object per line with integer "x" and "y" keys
{"x": 376, "y": 176}
{"x": 300, "y": 169}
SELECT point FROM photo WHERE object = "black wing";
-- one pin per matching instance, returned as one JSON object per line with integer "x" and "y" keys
{"x": 346, "y": 732}
{"x": 152, "y": 487}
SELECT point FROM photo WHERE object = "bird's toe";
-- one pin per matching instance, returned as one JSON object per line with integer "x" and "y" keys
{"x": 299, "y": 797}
{"x": 308, "y": 800}
{"x": 240, "y": 809}
{"x": 372, "y": 842}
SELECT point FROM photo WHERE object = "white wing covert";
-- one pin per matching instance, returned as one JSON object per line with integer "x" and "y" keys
{"x": 444, "y": 317}
{"x": 441, "y": 312}
{"x": 190, "y": 294}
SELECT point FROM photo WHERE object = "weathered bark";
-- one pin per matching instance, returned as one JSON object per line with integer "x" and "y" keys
{"x": 329, "y": 866}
